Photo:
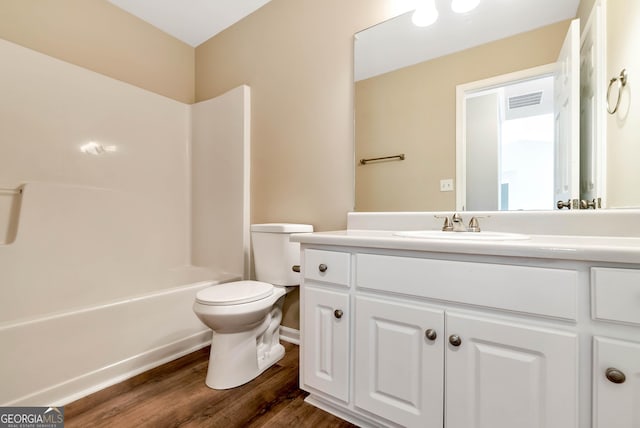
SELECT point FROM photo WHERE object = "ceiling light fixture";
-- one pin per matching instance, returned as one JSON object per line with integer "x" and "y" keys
{"x": 425, "y": 14}
{"x": 464, "y": 6}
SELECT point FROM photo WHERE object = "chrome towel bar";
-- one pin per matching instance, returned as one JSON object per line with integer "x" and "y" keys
{"x": 365, "y": 161}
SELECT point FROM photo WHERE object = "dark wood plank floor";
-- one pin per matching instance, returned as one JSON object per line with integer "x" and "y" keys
{"x": 175, "y": 395}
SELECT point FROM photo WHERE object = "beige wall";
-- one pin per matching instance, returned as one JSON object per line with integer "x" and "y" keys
{"x": 101, "y": 37}
{"x": 418, "y": 118}
{"x": 297, "y": 58}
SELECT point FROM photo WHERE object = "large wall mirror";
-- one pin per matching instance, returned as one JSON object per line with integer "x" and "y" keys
{"x": 439, "y": 110}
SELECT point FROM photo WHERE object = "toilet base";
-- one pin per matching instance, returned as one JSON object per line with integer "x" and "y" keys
{"x": 237, "y": 358}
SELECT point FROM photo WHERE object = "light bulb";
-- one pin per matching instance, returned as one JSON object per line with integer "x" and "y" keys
{"x": 425, "y": 14}
{"x": 464, "y": 6}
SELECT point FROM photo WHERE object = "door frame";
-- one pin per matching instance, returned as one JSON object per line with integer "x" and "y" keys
{"x": 461, "y": 117}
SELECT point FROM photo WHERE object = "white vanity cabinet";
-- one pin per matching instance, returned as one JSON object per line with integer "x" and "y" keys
{"x": 504, "y": 374}
{"x": 484, "y": 370}
{"x": 326, "y": 342}
{"x": 496, "y": 373}
{"x": 430, "y": 342}
{"x": 616, "y": 377}
{"x": 616, "y": 363}
{"x": 468, "y": 332}
{"x": 399, "y": 361}
{"x": 326, "y": 320}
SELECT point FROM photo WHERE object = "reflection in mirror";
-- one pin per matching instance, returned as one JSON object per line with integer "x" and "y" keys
{"x": 503, "y": 162}
{"x": 508, "y": 147}
{"x": 411, "y": 109}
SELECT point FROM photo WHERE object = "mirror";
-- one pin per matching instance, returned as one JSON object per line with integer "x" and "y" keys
{"x": 405, "y": 99}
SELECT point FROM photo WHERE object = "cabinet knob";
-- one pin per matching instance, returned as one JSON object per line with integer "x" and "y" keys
{"x": 323, "y": 267}
{"x": 431, "y": 334}
{"x": 295, "y": 268}
{"x": 455, "y": 340}
{"x": 338, "y": 313}
{"x": 615, "y": 375}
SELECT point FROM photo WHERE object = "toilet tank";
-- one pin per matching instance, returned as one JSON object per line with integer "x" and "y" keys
{"x": 274, "y": 255}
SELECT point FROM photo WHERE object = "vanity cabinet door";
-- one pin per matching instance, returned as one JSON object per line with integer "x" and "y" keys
{"x": 399, "y": 358}
{"x": 616, "y": 377}
{"x": 503, "y": 375}
{"x": 325, "y": 342}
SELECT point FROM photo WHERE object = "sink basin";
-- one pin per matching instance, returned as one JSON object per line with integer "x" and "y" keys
{"x": 464, "y": 236}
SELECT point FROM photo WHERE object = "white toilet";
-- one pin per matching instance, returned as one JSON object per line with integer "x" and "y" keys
{"x": 245, "y": 315}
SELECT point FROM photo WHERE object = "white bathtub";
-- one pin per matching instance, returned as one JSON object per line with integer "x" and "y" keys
{"x": 56, "y": 359}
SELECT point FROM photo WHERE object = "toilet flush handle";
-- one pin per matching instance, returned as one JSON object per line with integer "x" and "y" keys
{"x": 295, "y": 268}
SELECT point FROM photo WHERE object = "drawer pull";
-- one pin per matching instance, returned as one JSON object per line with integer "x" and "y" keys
{"x": 338, "y": 313}
{"x": 615, "y": 375}
{"x": 295, "y": 268}
{"x": 455, "y": 340}
{"x": 431, "y": 334}
{"x": 323, "y": 267}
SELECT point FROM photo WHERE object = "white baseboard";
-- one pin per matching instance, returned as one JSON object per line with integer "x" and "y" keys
{"x": 290, "y": 335}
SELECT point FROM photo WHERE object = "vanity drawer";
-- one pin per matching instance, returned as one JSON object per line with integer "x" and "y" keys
{"x": 327, "y": 266}
{"x": 534, "y": 290}
{"x": 616, "y": 294}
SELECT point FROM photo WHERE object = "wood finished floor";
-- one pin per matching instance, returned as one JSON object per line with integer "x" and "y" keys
{"x": 175, "y": 395}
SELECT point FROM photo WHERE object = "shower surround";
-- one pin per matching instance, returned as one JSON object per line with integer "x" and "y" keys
{"x": 97, "y": 271}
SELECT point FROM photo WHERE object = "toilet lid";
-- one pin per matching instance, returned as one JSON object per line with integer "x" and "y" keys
{"x": 234, "y": 293}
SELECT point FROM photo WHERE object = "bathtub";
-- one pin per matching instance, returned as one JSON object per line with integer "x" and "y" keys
{"x": 56, "y": 359}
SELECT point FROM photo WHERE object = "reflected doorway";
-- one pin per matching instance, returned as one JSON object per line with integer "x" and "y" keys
{"x": 510, "y": 146}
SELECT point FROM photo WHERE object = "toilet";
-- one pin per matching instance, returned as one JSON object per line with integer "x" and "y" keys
{"x": 245, "y": 315}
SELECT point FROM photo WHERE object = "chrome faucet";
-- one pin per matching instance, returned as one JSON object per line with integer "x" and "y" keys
{"x": 456, "y": 224}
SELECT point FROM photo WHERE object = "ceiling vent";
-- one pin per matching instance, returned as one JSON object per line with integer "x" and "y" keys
{"x": 526, "y": 100}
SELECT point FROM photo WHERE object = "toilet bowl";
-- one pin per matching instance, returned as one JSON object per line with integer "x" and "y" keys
{"x": 245, "y": 316}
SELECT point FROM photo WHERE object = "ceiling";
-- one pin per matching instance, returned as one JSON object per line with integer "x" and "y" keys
{"x": 192, "y": 21}
{"x": 196, "y": 21}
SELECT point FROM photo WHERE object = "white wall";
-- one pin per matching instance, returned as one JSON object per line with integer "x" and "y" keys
{"x": 482, "y": 153}
{"x": 623, "y": 128}
{"x": 97, "y": 284}
{"x": 88, "y": 224}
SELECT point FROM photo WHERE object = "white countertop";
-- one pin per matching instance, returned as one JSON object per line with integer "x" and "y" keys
{"x": 562, "y": 247}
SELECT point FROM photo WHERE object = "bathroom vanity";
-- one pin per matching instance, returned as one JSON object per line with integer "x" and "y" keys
{"x": 459, "y": 333}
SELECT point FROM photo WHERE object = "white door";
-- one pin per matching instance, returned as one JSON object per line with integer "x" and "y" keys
{"x": 592, "y": 111}
{"x": 505, "y": 375}
{"x": 325, "y": 342}
{"x": 567, "y": 117}
{"x": 399, "y": 360}
{"x": 616, "y": 399}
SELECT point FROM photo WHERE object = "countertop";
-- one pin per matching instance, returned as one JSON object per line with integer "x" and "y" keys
{"x": 560, "y": 247}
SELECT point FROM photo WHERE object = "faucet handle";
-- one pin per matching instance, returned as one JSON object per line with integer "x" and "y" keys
{"x": 446, "y": 226}
{"x": 474, "y": 225}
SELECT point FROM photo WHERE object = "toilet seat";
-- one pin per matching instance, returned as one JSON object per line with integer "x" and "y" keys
{"x": 234, "y": 293}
